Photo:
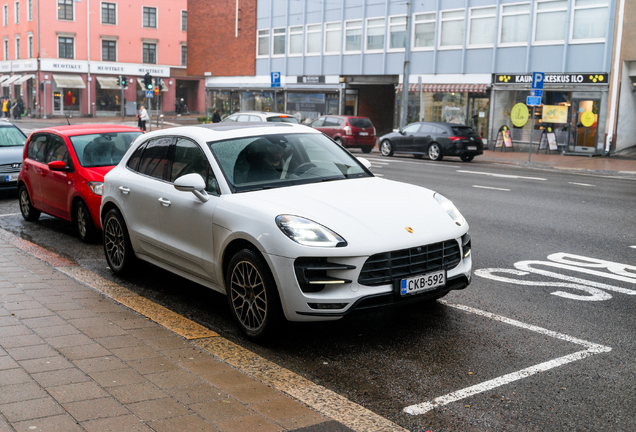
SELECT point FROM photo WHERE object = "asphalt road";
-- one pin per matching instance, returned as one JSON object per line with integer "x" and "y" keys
{"x": 545, "y": 345}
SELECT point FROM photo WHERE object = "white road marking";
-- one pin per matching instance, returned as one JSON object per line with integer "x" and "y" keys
{"x": 502, "y": 175}
{"x": 633, "y": 247}
{"x": 443, "y": 165}
{"x": 591, "y": 349}
{"x": 582, "y": 184}
{"x": 377, "y": 162}
{"x": 488, "y": 187}
{"x": 10, "y": 214}
{"x": 627, "y": 172}
{"x": 378, "y": 175}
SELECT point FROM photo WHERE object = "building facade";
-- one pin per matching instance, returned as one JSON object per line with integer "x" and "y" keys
{"x": 65, "y": 56}
{"x": 472, "y": 58}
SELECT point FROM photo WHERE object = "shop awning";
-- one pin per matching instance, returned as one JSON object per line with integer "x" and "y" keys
{"x": 108, "y": 83}
{"x": 163, "y": 88}
{"x": 11, "y": 80}
{"x": 69, "y": 81}
{"x": 23, "y": 79}
{"x": 448, "y": 88}
{"x": 3, "y": 78}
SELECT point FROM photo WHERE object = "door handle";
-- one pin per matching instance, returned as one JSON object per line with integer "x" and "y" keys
{"x": 164, "y": 202}
{"x": 124, "y": 190}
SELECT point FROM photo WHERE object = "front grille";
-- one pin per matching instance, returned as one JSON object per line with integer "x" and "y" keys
{"x": 383, "y": 268}
{"x": 9, "y": 169}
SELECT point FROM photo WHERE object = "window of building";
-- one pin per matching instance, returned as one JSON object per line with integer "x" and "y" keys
{"x": 16, "y": 18}
{"x": 515, "y": 23}
{"x": 375, "y": 35}
{"x": 6, "y": 49}
{"x": 150, "y": 17}
{"x": 551, "y": 19}
{"x": 30, "y": 46}
{"x": 482, "y": 26}
{"x": 29, "y": 10}
{"x": 184, "y": 20}
{"x": 184, "y": 55}
{"x": 5, "y": 15}
{"x": 333, "y": 31}
{"x": 353, "y": 36}
{"x": 262, "y": 43}
{"x": 17, "y": 48}
{"x": 150, "y": 53}
{"x": 424, "y": 30}
{"x": 65, "y": 47}
{"x": 279, "y": 42}
{"x": 397, "y": 33}
{"x": 452, "y": 32}
{"x": 109, "y": 50}
{"x": 313, "y": 39}
{"x": 65, "y": 9}
{"x": 295, "y": 40}
{"x": 590, "y": 20}
{"x": 109, "y": 13}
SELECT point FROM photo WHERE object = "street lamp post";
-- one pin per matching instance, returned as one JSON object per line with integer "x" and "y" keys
{"x": 407, "y": 68}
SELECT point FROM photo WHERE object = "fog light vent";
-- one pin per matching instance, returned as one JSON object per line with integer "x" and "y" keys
{"x": 323, "y": 306}
{"x": 313, "y": 273}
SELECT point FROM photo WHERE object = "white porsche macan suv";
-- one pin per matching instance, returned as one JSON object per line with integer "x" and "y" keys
{"x": 281, "y": 219}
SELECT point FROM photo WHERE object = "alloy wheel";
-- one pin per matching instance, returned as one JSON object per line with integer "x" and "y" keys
{"x": 248, "y": 295}
{"x": 81, "y": 221}
{"x": 114, "y": 242}
{"x": 434, "y": 152}
{"x": 25, "y": 204}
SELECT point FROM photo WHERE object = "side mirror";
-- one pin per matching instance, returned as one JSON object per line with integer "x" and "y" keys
{"x": 58, "y": 166}
{"x": 192, "y": 183}
{"x": 401, "y": 132}
{"x": 365, "y": 162}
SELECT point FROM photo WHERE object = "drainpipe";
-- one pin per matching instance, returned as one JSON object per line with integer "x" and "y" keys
{"x": 616, "y": 78}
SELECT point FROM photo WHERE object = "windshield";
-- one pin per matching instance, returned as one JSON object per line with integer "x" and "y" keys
{"x": 360, "y": 122}
{"x": 282, "y": 119}
{"x": 11, "y": 136}
{"x": 272, "y": 161}
{"x": 103, "y": 149}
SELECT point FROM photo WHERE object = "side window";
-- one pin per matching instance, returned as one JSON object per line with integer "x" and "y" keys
{"x": 243, "y": 118}
{"x": 341, "y": 122}
{"x": 133, "y": 162}
{"x": 37, "y": 148}
{"x": 440, "y": 131}
{"x": 57, "y": 151}
{"x": 319, "y": 122}
{"x": 255, "y": 119}
{"x": 154, "y": 161}
{"x": 331, "y": 122}
{"x": 412, "y": 128}
{"x": 427, "y": 129}
{"x": 231, "y": 118}
{"x": 190, "y": 159}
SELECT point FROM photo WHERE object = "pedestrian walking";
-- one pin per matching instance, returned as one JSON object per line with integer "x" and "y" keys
{"x": 7, "y": 112}
{"x": 216, "y": 118}
{"x": 20, "y": 109}
{"x": 177, "y": 107}
{"x": 4, "y": 107}
{"x": 143, "y": 118}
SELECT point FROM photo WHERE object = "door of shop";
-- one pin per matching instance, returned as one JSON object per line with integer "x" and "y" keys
{"x": 583, "y": 117}
{"x": 478, "y": 115}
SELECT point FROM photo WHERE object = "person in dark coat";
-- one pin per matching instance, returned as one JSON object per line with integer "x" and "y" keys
{"x": 216, "y": 118}
{"x": 19, "y": 109}
{"x": 8, "y": 112}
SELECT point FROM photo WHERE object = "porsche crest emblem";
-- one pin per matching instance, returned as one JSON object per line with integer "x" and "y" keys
{"x": 409, "y": 229}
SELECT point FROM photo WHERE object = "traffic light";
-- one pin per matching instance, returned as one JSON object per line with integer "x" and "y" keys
{"x": 41, "y": 87}
{"x": 147, "y": 81}
{"x": 122, "y": 80}
{"x": 156, "y": 90}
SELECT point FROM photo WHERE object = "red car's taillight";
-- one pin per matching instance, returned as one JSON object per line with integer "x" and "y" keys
{"x": 374, "y": 131}
{"x": 347, "y": 130}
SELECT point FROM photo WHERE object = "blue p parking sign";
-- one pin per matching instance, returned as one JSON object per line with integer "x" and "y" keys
{"x": 537, "y": 80}
{"x": 275, "y": 79}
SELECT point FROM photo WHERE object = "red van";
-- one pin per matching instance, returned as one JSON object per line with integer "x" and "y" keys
{"x": 348, "y": 131}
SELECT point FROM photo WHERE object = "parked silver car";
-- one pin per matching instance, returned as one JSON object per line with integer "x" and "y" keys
{"x": 12, "y": 141}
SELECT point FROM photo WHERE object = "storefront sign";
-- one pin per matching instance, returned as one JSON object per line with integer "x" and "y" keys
{"x": 587, "y": 78}
{"x": 110, "y": 68}
{"x": 24, "y": 65}
{"x": 587, "y": 118}
{"x": 5, "y": 66}
{"x": 56, "y": 65}
{"x": 311, "y": 79}
{"x": 554, "y": 114}
{"x": 519, "y": 115}
{"x": 312, "y": 102}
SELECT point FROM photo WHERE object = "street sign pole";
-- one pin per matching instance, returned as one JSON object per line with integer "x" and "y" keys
{"x": 531, "y": 133}
{"x": 535, "y": 100}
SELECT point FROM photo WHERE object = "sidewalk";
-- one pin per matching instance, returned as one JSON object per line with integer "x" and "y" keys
{"x": 72, "y": 359}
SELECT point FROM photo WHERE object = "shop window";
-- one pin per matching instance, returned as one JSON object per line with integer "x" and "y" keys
{"x": 263, "y": 43}
{"x": 184, "y": 55}
{"x": 452, "y": 33}
{"x": 332, "y": 37}
{"x": 397, "y": 33}
{"x": 108, "y": 100}
{"x": 109, "y": 50}
{"x": 590, "y": 20}
{"x": 65, "y": 10}
{"x": 515, "y": 23}
{"x": 374, "y": 41}
{"x": 313, "y": 39}
{"x": 353, "y": 36}
{"x": 551, "y": 18}
{"x": 482, "y": 27}
{"x": 150, "y": 17}
{"x": 184, "y": 20}
{"x": 278, "y": 48}
{"x": 295, "y": 40}
{"x": 150, "y": 53}
{"x": 65, "y": 47}
{"x": 109, "y": 13}
{"x": 424, "y": 30}
{"x": 257, "y": 101}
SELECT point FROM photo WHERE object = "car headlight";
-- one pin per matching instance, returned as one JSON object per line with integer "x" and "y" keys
{"x": 450, "y": 208}
{"x": 307, "y": 232}
{"x": 96, "y": 187}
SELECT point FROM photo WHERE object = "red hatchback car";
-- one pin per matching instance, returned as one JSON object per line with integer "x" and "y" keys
{"x": 63, "y": 172}
{"x": 348, "y": 131}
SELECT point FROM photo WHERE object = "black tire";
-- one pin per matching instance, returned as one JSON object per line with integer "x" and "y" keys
{"x": 339, "y": 142}
{"x": 252, "y": 295}
{"x": 29, "y": 213}
{"x": 435, "y": 152}
{"x": 84, "y": 223}
{"x": 386, "y": 148}
{"x": 117, "y": 247}
{"x": 367, "y": 149}
{"x": 467, "y": 157}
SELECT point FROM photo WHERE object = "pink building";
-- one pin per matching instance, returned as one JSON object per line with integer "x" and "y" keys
{"x": 67, "y": 56}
